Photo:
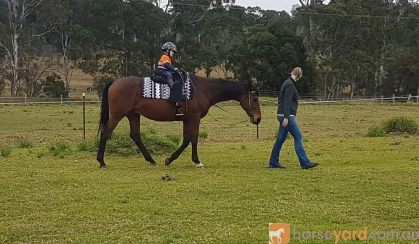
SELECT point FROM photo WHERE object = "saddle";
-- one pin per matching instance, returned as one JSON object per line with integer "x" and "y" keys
{"x": 155, "y": 87}
{"x": 177, "y": 76}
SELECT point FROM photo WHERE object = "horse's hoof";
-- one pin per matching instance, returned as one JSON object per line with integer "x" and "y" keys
{"x": 154, "y": 164}
{"x": 198, "y": 166}
{"x": 167, "y": 162}
{"x": 103, "y": 166}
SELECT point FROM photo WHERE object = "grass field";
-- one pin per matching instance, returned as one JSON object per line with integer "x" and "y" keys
{"x": 361, "y": 182}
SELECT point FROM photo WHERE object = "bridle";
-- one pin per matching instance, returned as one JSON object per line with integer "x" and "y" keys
{"x": 249, "y": 113}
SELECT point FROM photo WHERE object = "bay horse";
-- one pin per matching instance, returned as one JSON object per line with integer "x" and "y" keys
{"x": 122, "y": 98}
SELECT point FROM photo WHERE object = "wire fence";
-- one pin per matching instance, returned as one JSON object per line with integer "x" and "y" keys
{"x": 267, "y": 98}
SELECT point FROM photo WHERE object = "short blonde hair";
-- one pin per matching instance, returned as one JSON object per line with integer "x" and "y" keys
{"x": 297, "y": 72}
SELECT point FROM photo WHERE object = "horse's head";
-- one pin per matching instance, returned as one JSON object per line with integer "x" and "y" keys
{"x": 250, "y": 104}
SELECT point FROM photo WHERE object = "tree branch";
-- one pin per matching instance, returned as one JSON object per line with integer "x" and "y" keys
{"x": 5, "y": 48}
{"x": 42, "y": 34}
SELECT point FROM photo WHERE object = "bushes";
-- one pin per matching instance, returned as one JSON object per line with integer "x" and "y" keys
{"x": 400, "y": 125}
{"x": 24, "y": 143}
{"x": 5, "y": 151}
{"x": 159, "y": 144}
{"x": 119, "y": 144}
{"x": 397, "y": 124}
{"x": 203, "y": 135}
{"x": 99, "y": 83}
{"x": 376, "y": 131}
{"x": 122, "y": 144}
{"x": 59, "y": 150}
{"x": 54, "y": 86}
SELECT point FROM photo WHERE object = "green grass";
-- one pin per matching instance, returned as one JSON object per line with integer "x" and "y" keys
{"x": 60, "y": 195}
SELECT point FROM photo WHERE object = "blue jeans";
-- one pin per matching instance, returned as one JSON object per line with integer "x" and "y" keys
{"x": 292, "y": 127}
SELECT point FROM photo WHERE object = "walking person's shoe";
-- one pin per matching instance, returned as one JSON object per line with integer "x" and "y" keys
{"x": 309, "y": 165}
{"x": 271, "y": 166}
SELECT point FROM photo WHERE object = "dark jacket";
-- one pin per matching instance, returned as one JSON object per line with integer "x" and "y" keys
{"x": 288, "y": 98}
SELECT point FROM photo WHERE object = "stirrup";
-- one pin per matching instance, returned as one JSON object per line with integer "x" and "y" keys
{"x": 179, "y": 111}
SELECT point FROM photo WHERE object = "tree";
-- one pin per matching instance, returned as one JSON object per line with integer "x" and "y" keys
{"x": 32, "y": 71}
{"x": 54, "y": 86}
{"x": 270, "y": 51}
{"x": 16, "y": 34}
{"x": 61, "y": 16}
{"x": 117, "y": 38}
{"x": 352, "y": 44}
{"x": 2, "y": 79}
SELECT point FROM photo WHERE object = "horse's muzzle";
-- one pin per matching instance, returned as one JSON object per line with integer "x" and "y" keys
{"x": 255, "y": 120}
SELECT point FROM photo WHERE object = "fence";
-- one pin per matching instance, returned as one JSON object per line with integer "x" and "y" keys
{"x": 38, "y": 100}
{"x": 305, "y": 99}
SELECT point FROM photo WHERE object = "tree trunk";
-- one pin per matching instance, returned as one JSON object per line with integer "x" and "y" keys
{"x": 325, "y": 89}
{"x": 338, "y": 91}
{"x": 17, "y": 13}
{"x": 352, "y": 90}
{"x": 15, "y": 84}
{"x": 66, "y": 66}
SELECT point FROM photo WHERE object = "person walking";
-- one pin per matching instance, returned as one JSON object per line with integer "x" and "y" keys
{"x": 286, "y": 115}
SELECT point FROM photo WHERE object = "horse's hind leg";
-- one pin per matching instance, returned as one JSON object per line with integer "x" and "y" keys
{"x": 134, "y": 121}
{"x": 105, "y": 134}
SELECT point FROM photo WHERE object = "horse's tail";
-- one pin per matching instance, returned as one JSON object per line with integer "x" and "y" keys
{"x": 104, "y": 108}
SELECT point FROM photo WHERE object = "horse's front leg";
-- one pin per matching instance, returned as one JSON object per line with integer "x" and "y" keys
{"x": 190, "y": 131}
{"x": 195, "y": 158}
{"x": 175, "y": 155}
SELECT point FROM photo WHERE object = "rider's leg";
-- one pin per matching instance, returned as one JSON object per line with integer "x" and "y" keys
{"x": 169, "y": 79}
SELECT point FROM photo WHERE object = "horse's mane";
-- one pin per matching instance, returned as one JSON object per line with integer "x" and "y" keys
{"x": 223, "y": 82}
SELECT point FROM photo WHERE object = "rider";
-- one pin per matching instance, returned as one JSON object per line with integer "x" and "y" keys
{"x": 165, "y": 68}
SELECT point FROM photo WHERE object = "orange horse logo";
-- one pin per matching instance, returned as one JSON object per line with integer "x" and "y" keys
{"x": 279, "y": 233}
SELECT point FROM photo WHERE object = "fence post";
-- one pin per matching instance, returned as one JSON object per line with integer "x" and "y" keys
{"x": 394, "y": 98}
{"x": 84, "y": 115}
{"x": 409, "y": 97}
{"x": 417, "y": 98}
{"x": 382, "y": 99}
{"x": 61, "y": 99}
{"x": 25, "y": 98}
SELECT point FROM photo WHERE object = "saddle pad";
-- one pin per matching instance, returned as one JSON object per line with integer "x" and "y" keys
{"x": 155, "y": 90}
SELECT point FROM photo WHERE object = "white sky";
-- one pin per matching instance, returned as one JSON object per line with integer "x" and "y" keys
{"x": 269, "y": 4}
{"x": 278, "y": 5}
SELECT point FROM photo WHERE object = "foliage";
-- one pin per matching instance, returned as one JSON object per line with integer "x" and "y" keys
{"x": 354, "y": 54}
{"x": 376, "y": 131}
{"x": 346, "y": 48}
{"x": 87, "y": 146}
{"x": 60, "y": 149}
{"x": 99, "y": 83}
{"x": 122, "y": 144}
{"x": 54, "y": 86}
{"x": 2, "y": 84}
{"x": 203, "y": 135}
{"x": 24, "y": 143}
{"x": 396, "y": 124}
{"x": 400, "y": 124}
{"x": 5, "y": 151}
